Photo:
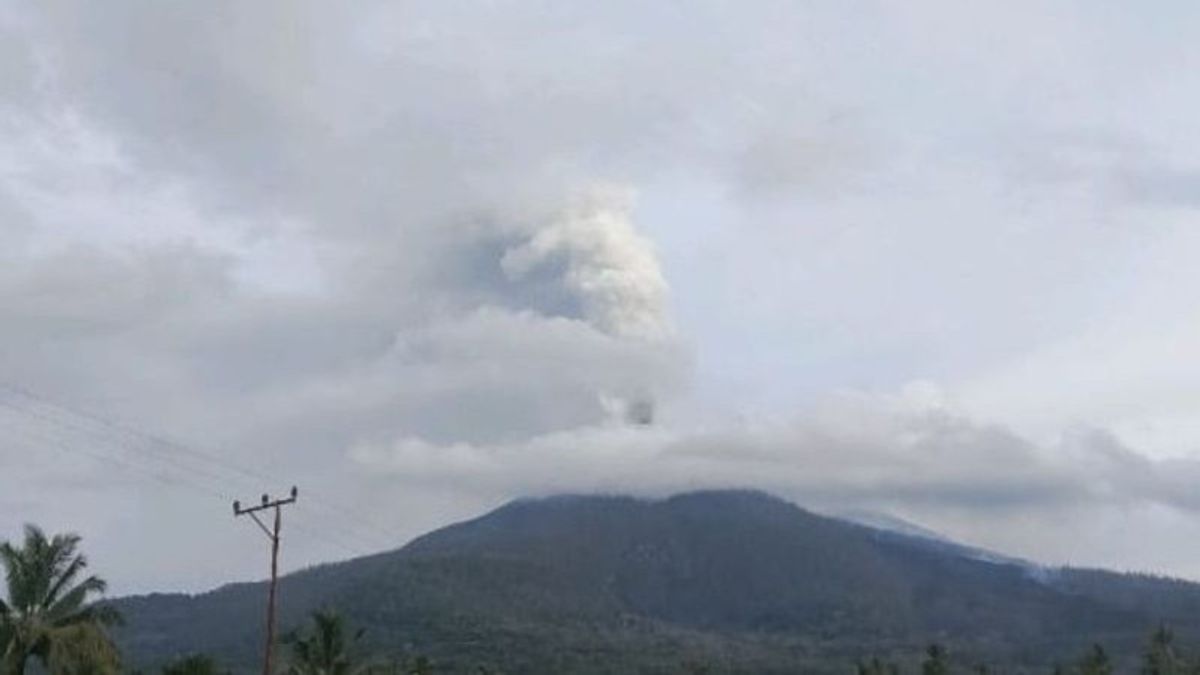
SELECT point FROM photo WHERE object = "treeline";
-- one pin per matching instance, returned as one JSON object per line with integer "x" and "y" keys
{"x": 1160, "y": 657}
{"x": 325, "y": 647}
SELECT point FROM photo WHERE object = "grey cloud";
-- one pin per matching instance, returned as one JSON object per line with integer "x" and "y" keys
{"x": 285, "y": 230}
{"x": 790, "y": 154}
{"x": 489, "y": 375}
{"x": 871, "y": 453}
{"x": 1163, "y": 185}
{"x": 466, "y": 294}
{"x": 612, "y": 270}
{"x": 1122, "y": 169}
{"x": 78, "y": 291}
{"x": 371, "y": 116}
{"x": 481, "y": 373}
{"x": 18, "y": 66}
{"x": 979, "y": 483}
{"x": 195, "y": 333}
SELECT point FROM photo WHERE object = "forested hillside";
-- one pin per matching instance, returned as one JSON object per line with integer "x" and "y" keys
{"x": 728, "y": 581}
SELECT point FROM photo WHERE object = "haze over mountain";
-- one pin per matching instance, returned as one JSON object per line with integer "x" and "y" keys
{"x": 737, "y": 581}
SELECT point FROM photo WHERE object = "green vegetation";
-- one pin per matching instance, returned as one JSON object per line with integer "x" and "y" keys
{"x": 48, "y": 615}
{"x": 709, "y": 582}
{"x": 325, "y": 649}
{"x": 877, "y": 667}
{"x": 716, "y": 584}
{"x": 1095, "y": 662}
{"x": 935, "y": 661}
{"x": 1161, "y": 657}
{"x": 194, "y": 664}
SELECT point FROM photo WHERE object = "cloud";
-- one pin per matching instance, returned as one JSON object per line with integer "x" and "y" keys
{"x": 979, "y": 482}
{"x": 289, "y": 232}
{"x": 172, "y": 264}
{"x": 855, "y": 449}
{"x": 611, "y": 269}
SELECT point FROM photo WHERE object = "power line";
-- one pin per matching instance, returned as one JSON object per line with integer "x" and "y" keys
{"x": 166, "y": 468}
{"x": 55, "y": 442}
{"x": 173, "y": 453}
{"x": 59, "y": 444}
{"x": 79, "y": 422}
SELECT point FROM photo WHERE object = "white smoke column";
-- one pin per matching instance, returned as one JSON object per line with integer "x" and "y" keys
{"x": 609, "y": 268}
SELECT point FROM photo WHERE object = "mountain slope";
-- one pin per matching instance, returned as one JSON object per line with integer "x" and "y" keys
{"x": 737, "y": 580}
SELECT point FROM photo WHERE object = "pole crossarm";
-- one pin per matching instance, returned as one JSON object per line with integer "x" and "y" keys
{"x": 267, "y": 503}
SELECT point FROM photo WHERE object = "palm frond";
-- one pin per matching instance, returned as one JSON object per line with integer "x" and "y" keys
{"x": 74, "y": 600}
{"x": 65, "y": 578}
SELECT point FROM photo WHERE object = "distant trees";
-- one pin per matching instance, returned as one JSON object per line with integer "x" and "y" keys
{"x": 49, "y": 614}
{"x": 935, "y": 662}
{"x": 421, "y": 665}
{"x": 877, "y": 667}
{"x": 325, "y": 649}
{"x": 195, "y": 664}
{"x": 1160, "y": 657}
{"x": 417, "y": 665}
{"x": 328, "y": 648}
{"x": 1095, "y": 662}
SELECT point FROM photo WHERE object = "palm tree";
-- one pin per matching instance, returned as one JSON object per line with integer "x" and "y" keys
{"x": 325, "y": 650}
{"x": 48, "y": 614}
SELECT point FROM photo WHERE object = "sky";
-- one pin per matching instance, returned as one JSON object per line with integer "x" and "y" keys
{"x": 931, "y": 259}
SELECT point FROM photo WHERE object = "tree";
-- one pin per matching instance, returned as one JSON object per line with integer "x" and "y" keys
{"x": 1160, "y": 657}
{"x": 935, "y": 661}
{"x": 877, "y": 667}
{"x": 1095, "y": 662}
{"x": 48, "y": 614}
{"x": 194, "y": 664}
{"x": 325, "y": 650}
{"x": 421, "y": 665}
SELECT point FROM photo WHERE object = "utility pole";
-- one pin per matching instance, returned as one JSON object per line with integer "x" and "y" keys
{"x": 272, "y": 534}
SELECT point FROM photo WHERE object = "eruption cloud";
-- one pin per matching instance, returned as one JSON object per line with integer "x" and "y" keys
{"x": 608, "y": 267}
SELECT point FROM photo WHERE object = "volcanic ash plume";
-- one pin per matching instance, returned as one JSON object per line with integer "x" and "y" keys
{"x": 607, "y": 266}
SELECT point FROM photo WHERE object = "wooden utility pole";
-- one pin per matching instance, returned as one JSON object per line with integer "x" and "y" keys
{"x": 272, "y": 534}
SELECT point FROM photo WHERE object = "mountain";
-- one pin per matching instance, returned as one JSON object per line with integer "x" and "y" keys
{"x": 886, "y": 522}
{"x": 891, "y": 526}
{"x": 734, "y": 581}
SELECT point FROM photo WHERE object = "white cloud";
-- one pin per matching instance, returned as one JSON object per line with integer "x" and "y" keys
{"x": 610, "y": 267}
{"x": 906, "y": 454}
